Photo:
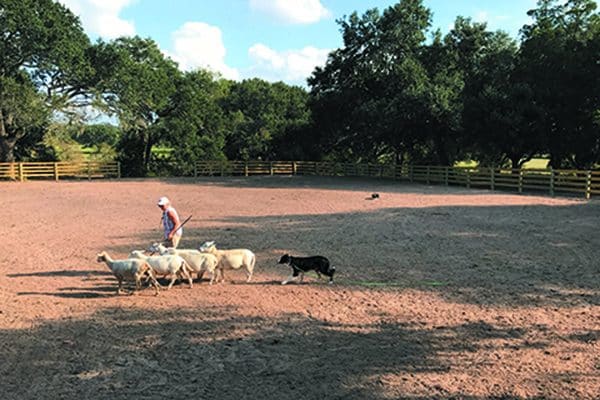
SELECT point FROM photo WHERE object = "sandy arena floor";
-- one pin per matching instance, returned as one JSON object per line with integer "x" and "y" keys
{"x": 442, "y": 293}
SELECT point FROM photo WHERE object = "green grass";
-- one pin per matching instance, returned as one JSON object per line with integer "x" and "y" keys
{"x": 534, "y": 163}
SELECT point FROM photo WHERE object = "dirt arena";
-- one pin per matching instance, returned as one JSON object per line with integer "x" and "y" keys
{"x": 440, "y": 293}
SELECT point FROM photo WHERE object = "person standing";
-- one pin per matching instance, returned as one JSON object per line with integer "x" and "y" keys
{"x": 170, "y": 221}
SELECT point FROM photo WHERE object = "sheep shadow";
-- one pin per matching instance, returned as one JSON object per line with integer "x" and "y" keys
{"x": 123, "y": 353}
{"x": 80, "y": 295}
{"x": 61, "y": 273}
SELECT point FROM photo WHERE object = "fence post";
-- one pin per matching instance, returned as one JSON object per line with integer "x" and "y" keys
{"x": 21, "y": 172}
{"x": 271, "y": 167}
{"x": 410, "y": 173}
{"x": 468, "y": 178}
{"x": 551, "y": 181}
{"x": 56, "y": 172}
{"x": 294, "y": 168}
{"x": 492, "y": 177}
{"x": 588, "y": 185}
{"x": 446, "y": 173}
{"x": 245, "y": 168}
{"x": 89, "y": 172}
{"x": 427, "y": 176}
{"x": 521, "y": 180}
{"x": 118, "y": 169}
{"x": 195, "y": 170}
{"x": 222, "y": 168}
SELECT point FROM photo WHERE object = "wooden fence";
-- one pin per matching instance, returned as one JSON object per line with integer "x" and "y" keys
{"x": 551, "y": 181}
{"x": 59, "y": 170}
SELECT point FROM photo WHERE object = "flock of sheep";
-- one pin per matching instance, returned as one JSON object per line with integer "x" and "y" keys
{"x": 178, "y": 264}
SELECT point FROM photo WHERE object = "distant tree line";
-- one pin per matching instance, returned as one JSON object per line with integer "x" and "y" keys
{"x": 396, "y": 91}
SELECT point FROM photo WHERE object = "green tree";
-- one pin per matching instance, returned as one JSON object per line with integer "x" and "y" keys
{"x": 195, "y": 126}
{"x": 139, "y": 92}
{"x": 260, "y": 114}
{"x": 558, "y": 60}
{"x": 442, "y": 117}
{"x": 23, "y": 115}
{"x": 371, "y": 97}
{"x": 44, "y": 63}
{"x": 498, "y": 111}
{"x": 91, "y": 135}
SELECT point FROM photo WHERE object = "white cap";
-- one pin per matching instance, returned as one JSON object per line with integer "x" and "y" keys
{"x": 163, "y": 201}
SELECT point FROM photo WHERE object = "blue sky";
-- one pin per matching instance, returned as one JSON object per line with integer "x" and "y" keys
{"x": 270, "y": 39}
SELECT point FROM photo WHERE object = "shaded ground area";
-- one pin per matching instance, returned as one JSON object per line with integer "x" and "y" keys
{"x": 441, "y": 293}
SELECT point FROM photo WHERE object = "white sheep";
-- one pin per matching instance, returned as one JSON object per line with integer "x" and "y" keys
{"x": 231, "y": 259}
{"x": 199, "y": 262}
{"x": 168, "y": 265}
{"x": 130, "y": 269}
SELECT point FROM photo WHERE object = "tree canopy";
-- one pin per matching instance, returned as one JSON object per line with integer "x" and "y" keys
{"x": 397, "y": 90}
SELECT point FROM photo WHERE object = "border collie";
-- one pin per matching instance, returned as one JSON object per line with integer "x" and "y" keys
{"x": 300, "y": 265}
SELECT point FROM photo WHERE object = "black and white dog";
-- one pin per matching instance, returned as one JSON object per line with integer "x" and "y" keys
{"x": 300, "y": 265}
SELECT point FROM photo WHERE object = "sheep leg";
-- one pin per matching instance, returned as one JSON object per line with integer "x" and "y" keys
{"x": 189, "y": 278}
{"x": 173, "y": 279}
{"x": 249, "y": 273}
{"x": 154, "y": 281}
{"x": 200, "y": 275}
{"x": 120, "y": 287}
{"x": 183, "y": 274}
{"x": 187, "y": 272}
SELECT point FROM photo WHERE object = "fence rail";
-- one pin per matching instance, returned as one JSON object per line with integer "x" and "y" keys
{"x": 551, "y": 181}
{"x": 59, "y": 170}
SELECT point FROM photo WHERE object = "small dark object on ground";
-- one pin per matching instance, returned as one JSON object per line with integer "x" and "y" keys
{"x": 375, "y": 195}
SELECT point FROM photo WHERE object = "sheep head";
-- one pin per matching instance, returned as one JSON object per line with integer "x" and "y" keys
{"x": 207, "y": 247}
{"x": 157, "y": 248}
{"x": 137, "y": 254}
{"x": 101, "y": 257}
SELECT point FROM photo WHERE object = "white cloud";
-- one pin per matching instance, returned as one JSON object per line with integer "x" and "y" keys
{"x": 508, "y": 23}
{"x": 291, "y": 66}
{"x": 199, "y": 45}
{"x": 292, "y": 11}
{"x": 482, "y": 16}
{"x": 101, "y": 17}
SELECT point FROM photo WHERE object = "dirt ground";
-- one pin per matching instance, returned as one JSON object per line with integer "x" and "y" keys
{"x": 441, "y": 293}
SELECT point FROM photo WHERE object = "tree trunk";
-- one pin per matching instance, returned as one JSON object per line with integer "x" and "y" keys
{"x": 440, "y": 149}
{"x": 149, "y": 142}
{"x": 7, "y": 142}
{"x": 7, "y": 147}
{"x": 515, "y": 162}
